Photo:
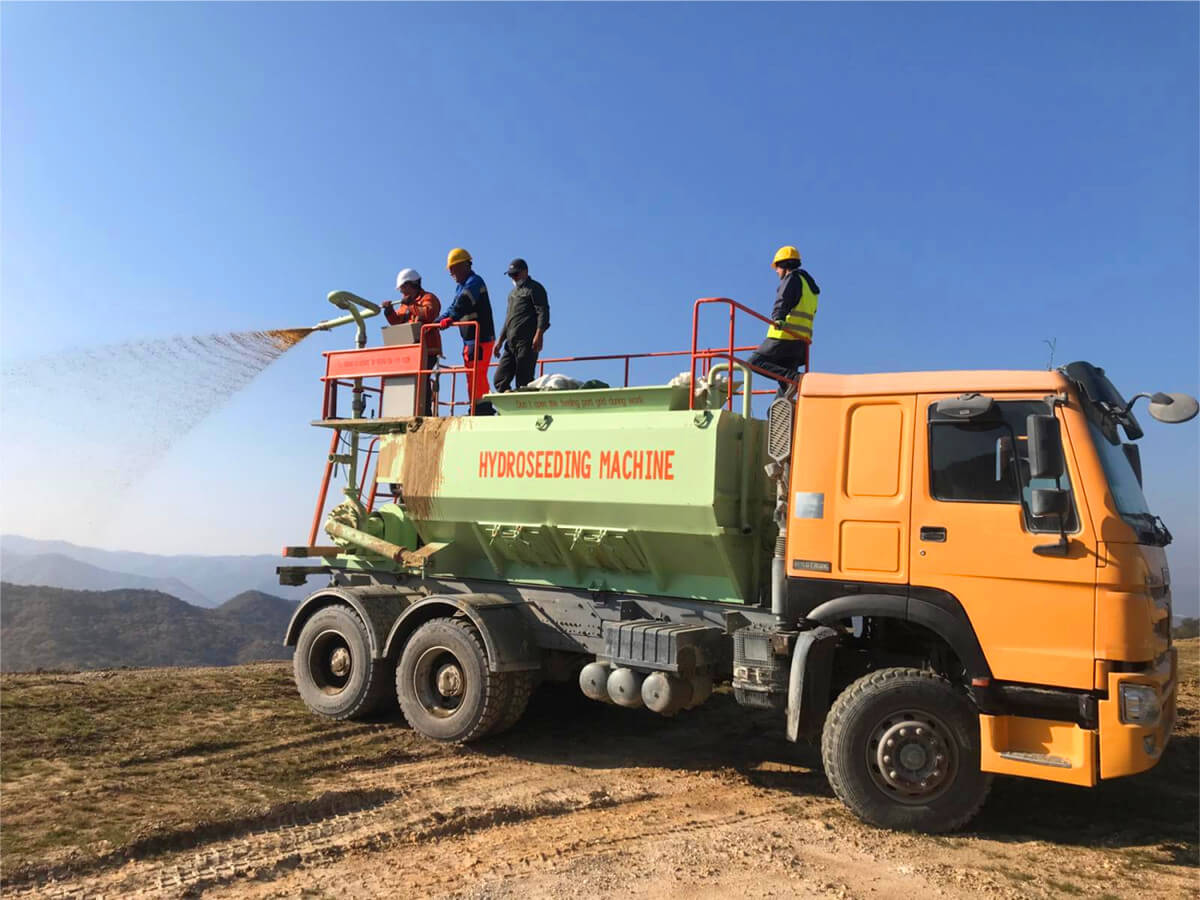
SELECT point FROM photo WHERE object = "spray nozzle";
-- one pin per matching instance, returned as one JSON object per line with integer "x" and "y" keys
{"x": 358, "y": 308}
{"x": 347, "y": 301}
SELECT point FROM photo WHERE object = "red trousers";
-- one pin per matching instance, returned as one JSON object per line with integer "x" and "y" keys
{"x": 477, "y": 368}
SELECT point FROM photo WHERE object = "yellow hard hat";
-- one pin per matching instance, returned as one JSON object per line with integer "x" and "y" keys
{"x": 786, "y": 253}
{"x": 457, "y": 255}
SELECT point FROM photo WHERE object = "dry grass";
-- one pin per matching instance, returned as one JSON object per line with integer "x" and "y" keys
{"x": 103, "y": 766}
{"x": 95, "y": 763}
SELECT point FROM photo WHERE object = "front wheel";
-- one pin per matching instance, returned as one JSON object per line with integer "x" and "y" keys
{"x": 901, "y": 749}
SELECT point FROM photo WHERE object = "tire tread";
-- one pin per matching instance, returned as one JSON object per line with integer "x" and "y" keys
{"x": 521, "y": 685}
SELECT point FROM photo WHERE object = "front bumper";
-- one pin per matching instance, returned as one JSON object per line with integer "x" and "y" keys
{"x": 1126, "y": 749}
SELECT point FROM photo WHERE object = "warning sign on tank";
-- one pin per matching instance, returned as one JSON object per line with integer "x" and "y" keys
{"x": 607, "y": 465}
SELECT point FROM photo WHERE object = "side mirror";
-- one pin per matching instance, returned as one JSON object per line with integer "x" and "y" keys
{"x": 1173, "y": 408}
{"x": 1045, "y": 447}
{"x": 1048, "y": 502}
{"x": 1134, "y": 455}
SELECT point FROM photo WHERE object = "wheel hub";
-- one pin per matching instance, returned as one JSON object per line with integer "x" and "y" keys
{"x": 330, "y": 663}
{"x": 450, "y": 680}
{"x": 339, "y": 662}
{"x": 912, "y": 756}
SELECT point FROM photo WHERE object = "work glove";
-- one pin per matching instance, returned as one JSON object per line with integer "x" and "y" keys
{"x": 445, "y": 323}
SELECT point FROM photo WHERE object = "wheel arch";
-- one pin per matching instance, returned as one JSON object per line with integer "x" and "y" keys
{"x": 332, "y": 597}
{"x": 500, "y": 622}
{"x": 934, "y": 611}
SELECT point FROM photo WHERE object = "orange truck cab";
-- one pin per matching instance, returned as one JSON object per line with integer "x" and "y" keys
{"x": 989, "y": 527}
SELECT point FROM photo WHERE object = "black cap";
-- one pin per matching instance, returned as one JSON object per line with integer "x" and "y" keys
{"x": 517, "y": 265}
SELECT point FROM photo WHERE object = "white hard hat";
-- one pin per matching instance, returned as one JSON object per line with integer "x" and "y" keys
{"x": 407, "y": 275}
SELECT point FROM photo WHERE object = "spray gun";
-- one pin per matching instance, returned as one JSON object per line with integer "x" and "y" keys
{"x": 358, "y": 310}
{"x": 351, "y": 303}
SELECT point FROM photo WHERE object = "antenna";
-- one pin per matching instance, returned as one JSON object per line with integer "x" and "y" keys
{"x": 1052, "y": 344}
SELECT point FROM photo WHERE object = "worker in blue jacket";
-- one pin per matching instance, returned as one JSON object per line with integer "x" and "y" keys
{"x": 472, "y": 304}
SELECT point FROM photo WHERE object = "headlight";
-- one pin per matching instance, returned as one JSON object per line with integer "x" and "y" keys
{"x": 1139, "y": 704}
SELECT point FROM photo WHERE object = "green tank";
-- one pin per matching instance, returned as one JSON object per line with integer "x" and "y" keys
{"x": 623, "y": 490}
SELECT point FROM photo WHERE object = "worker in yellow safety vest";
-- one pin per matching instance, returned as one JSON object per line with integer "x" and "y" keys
{"x": 786, "y": 348}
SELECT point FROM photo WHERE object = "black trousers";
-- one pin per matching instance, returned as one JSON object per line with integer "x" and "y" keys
{"x": 518, "y": 362}
{"x": 782, "y": 359}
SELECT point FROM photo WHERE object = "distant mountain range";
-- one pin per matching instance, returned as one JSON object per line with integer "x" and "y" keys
{"x": 55, "y": 628}
{"x": 205, "y": 581}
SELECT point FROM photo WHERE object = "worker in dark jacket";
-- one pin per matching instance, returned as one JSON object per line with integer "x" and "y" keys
{"x": 471, "y": 304}
{"x": 786, "y": 348}
{"x": 525, "y": 324}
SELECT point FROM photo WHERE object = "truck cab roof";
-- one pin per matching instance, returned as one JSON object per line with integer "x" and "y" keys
{"x": 824, "y": 384}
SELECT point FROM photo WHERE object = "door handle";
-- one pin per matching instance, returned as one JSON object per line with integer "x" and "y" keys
{"x": 935, "y": 533}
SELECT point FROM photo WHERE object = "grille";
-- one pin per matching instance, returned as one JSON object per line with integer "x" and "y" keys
{"x": 780, "y": 415}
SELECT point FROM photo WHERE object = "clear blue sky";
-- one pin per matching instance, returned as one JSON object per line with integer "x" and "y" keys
{"x": 963, "y": 181}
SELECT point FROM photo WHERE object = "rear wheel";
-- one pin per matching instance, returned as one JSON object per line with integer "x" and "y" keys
{"x": 334, "y": 671}
{"x": 520, "y": 689}
{"x": 445, "y": 688}
{"x": 901, "y": 749}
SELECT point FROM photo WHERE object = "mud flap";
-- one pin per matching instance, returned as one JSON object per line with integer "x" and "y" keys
{"x": 505, "y": 631}
{"x": 809, "y": 680}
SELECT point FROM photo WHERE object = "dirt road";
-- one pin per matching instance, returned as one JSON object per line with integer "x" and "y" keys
{"x": 217, "y": 783}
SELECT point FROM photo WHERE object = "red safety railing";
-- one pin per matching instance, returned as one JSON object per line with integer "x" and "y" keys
{"x": 707, "y": 356}
{"x": 344, "y": 366}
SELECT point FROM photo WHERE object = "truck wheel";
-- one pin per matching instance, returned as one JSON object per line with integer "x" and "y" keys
{"x": 334, "y": 670}
{"x": 519, "y": 691}
{"x": 445, "y": 688}
{"x": 901, "y": 749}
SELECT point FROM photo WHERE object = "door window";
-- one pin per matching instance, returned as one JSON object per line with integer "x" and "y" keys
{"x": 987, "y": 461}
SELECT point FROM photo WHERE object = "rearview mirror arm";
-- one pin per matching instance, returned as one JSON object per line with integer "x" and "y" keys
{"x": 1059, "y": 547}
{"x": 1121, "y": 413}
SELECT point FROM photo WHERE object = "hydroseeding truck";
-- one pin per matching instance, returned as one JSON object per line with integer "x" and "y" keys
{"x": 941, "y": 575}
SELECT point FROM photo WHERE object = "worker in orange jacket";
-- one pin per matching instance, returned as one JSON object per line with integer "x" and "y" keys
{"x": 420, "y": 307}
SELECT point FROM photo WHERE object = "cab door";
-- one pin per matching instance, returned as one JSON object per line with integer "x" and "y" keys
{"x": 972, "y": 536}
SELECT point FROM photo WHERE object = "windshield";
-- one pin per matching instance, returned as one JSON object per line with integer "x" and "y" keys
{"x": 1105, "y": 409}
{"x": 1121, "y": 478}
{"x": 1127, "y": 493}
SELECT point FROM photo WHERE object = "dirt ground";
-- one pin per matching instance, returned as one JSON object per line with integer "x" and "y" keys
{"x": 217, "y": 782}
